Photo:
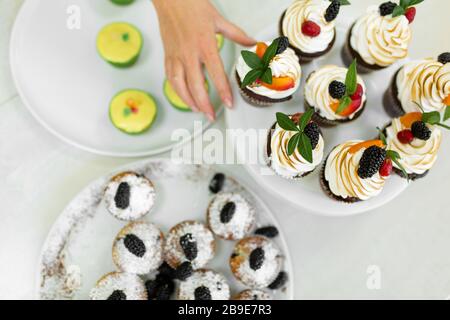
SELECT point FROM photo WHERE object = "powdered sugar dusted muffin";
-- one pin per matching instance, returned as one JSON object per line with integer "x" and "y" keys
{"x": 119, "y": 286}
{"x": 129, "y": 196}
{"x": 253, "y": 295}
{"x": 256, "y": 262}
{"x": 189, "y": 241}
{"x": 230, "y": 216}
{"x": 204, "y": 285}
{"x": 138, "y": 248}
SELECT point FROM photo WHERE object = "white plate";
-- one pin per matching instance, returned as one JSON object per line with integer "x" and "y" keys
{"x": 68, "y": 87}
{"x": 83, "y": 234}
{"x": 307, "y": 193}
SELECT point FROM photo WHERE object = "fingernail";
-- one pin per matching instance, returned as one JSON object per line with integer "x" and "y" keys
{"x": 210, "y": 117}
{"x": 229, "y": 103}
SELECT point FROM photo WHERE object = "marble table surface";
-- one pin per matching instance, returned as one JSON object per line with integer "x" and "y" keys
{"x": 397, "y": 251}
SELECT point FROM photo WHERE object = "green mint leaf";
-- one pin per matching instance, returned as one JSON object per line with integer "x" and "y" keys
{"x": 292, "y": 144}
{"x": 305, "y": 148}
{"x": 393, "y": 155}
{"x": 251, "y": 59}
{"x": 345, "y": 102}
{"x": 267, "y": 76}
{"x": 345, "y": 2}
{"x": 351, "y": 81}
{"x": 305, "y": 119}
{"x": 285, "y": 122}
{"x": 270, "y": 52}
{"x": 431, "y": 117}
{"x": 443, "y": 126}
{"x": 398, "y": 11}
{"x": 382, "y": 136}
{"x": 414, "y": 2}
{"x": 251, "y": 77}
{"x": 395, "y": 160}
{"x": 404, "y": 3}
{"x": 447, "y": 113}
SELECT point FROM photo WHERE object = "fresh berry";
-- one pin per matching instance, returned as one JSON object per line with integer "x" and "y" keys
{"x": 184, "y": 271}
{"x": 410, "y": 14}
{"x": 310, "y": 29}
{"x": 269, "y": 232}
{"x": 312, "y": 131}
{"x": 151, "y": 286}
{"x": 386, "y": 168}
{"x": 217, "y": 182}
{"x": 117, "y": 295}
{"x": 122, "y": 197}
{"x": 387, "y": 8}
{"x": 283, "y": 44}
{"x": 444, "y": 58}
{"x": 227, "y": 212}
{"x": 166, "y": 270}
{"x": 135, "y": 245}
{"x": 405, "y": 136}
{"x": 358, "y": 93}
{"x": 420, "y": 130}
{"x": 202, "y": 293}
{"x": 164, "y": 291}
{"x": 257, "y": 258}
{"x": 371, "y": 161}
{"x": 279, "y": 281}
{"x": 189, "y": 246}
{"x": 337, "y": 89}
{"x": 332, "y": 10}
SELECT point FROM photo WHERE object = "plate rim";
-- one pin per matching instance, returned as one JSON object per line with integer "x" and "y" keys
{"x": 288, "y": 261}
{"x": 18, "y": 23}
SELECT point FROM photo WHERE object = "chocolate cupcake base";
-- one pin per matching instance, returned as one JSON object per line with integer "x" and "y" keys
{"x": 391, "y": 103}
{"x": 303, "y": 56}
{"x": 348, "y": 54}
{"x": 326, "y": 187}
{"x": 324, "y": 122}
{"x": 257, "y": 100}
{"x": 412, "y": 176}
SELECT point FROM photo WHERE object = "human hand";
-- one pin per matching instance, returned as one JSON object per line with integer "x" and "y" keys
{"x": 188, "y": 30}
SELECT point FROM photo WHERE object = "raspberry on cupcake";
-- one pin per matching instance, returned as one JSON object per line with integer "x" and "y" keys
{"x": 336, "y": 94}
{"x": 381, "y": 36}
{"x": 119, "y": 286}
{"x": 230, "y": 216}
{"x": 417, "y": 138}
{"x": 268, "y": 73}
{"x": 357, "y": 170}
{"x": 310, "y": 26}
{"x": 129, "y": 196}
{"x": 256, "y": 262}
{"x": 294, "y": 145}
{"x": 426, "y": 82}
{"x": 189, "y": 241}
{"x": 138, "y": 248}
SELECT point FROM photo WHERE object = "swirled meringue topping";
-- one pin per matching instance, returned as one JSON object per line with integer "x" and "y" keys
{"x": 341, "y": 173}
{"x": 318, "y": 96}
{"x": 426, "y": 82}
{"x": 418, "y": 156}
{"x": 308, "y": 10}
{"x": 294, "y": 165}
{"x": 285, "y": 64}
{"x": 381, "y": 40}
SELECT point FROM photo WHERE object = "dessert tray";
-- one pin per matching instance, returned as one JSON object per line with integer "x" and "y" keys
{"x": 77, "y": 251}
{"x": 67, "y": 86}
{"x": 306, "y": 192}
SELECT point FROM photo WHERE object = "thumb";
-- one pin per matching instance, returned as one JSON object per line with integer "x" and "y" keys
{"x": 234, "y": 33}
